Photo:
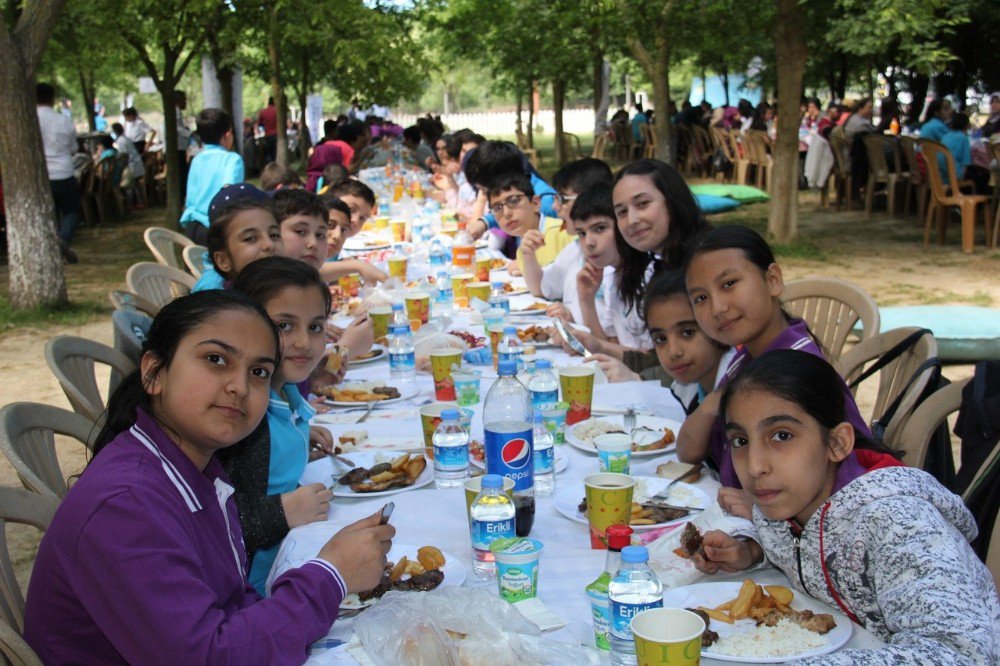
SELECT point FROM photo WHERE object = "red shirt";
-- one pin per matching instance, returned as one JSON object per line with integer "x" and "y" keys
{"x": 268, "y": 117}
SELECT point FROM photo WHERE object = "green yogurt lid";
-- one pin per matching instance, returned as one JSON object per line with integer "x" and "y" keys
{"x": 516, "y": 546}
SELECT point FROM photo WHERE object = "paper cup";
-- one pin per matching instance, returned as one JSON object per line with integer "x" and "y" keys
{"x": 483, "y": 265}
{"x": 496, "y": 334}
{"x": 380, "y": 321}
{"x": 667, "y": 637}
{"x": 493, "y": 317}
{"x": 554, "y": 418}
{"x": 397, "y": 267}
{"x": 614, "y": 451}
{"x": 350, "y": 284}
{"x": 577, "y": 384}
{"x": 460, "y": 289}
{"x": 517, "y": 567}
{"x": 430, "y": 418}
{"x": 442, "y": 363}
{"x": 474, "y": 485}
{"x": 398, "y": 230}
{"x": 381, "y": 222}
{"x": 418, "y": 308}
{"x": 480, "y": 290}
{"x": 609, "y": 502}
{"x": 466, "y": 387}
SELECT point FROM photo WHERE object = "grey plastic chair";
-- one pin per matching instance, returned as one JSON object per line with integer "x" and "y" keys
{"x": 195, "y": 258}
{"x": 130, "y": 331}
{"x": 27, "y": 438}
{"x": 916, "y": 435}
{"x": 157, "y": 283}
{"x": 126, "y": 300}
{"x": 164, "y": 244}
{"x": 25, "y": 508}
{"x": 832, "y": 307}
{"x": 72, "y": 360}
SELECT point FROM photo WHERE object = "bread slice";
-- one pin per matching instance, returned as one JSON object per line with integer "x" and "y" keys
{"x": 673, "y": 469}
{"x": 353, "y": 438}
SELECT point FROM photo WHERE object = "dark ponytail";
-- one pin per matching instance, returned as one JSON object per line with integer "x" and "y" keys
{"x": 262, "y": 279}
{"x": 171, "y": 325}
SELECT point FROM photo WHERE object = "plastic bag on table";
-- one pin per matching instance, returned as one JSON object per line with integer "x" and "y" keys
{"x": 434, "y": 335}
{"x": 454, "y": 625}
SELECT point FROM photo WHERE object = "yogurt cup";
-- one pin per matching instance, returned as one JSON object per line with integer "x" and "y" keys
{"x": 614, "y": 450}
{"x": 554, "y": 418}
{"x": 517, "y": 567}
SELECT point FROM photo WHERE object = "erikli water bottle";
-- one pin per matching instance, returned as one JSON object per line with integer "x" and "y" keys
{"x": 492, "y": 518}
{"x": 510, "y": 347}
{"x": 498, "y": 297}
{"x": 545, "y": 459}
{"x": 402, "y": 359}
{"x": 634, "y": 589}
{"x": 543, "y": 384}
{"x": 509, "y": 440}
{"x": 451, "y": 451}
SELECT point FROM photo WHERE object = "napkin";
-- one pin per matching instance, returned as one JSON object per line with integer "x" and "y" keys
{"x": 535, "y": 611}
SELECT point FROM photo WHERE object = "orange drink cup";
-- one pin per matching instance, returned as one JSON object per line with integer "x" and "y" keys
{"x": 496, "y": 334}
{"x": 443, "y": 361}
{"x": 483, "y": 268}
{"x": 380, "y": 321}
{"x": 480, "y": 290}
{"x": 667, "y": 637}
{"x": 460, "y": 289}
{"x": 350, "y": 284}
{"x": 577, "y": 384}
{"x": 397, "y": 267}
{"x": 609, "y": 502}
{"x": 418, "y": 308}
{"x": 398, "y": 230}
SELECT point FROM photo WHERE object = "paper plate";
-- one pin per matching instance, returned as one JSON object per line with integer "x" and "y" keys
{"x": 454, "y": 572}
{"x": 567, "y": 501}
{"x": 405, "y": 393}
{"x": 327, "y": 472}
{"x": 652, "y": 422}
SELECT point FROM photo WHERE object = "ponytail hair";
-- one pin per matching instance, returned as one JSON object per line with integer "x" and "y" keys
{"x": 172, "y": 323}
{"x": 805, "y": 380}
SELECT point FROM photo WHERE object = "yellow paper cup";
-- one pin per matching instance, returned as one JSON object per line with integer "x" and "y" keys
{"x": 609, "y": 502}
{"x": 442, "y": 363}
{"x": 460, "y": 289}
{"x": 483, "y": 265}
{"x": 398, "y": 230}
{"x": 418, "y": 307}
{"x": 430, "y": 418}
{"x": 667, "y": 637}
{"x": 397, "y": 267}
{"x": 350, "y": 284}
{"x": 475, "y": 484}
{"x": 577, "y": 384}
{"x": 380, "y": 321}
{"x": 480, "y": 290}
{"x": 381, "y": 222}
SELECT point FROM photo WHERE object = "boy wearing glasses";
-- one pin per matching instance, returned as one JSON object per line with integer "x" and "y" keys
{"x": 513, "y": 202}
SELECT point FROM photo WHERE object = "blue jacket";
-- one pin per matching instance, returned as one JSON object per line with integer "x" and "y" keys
{"x": 933, "y": 129}
{"x": 211, "y": 170}
{"x": 957, "y": 144}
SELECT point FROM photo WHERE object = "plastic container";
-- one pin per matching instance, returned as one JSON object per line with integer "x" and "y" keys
{"x": 633, "y": 589}
{"x": 402, "y": 358}
{"x": 543, "y": 384}
{"x": 466, "y": 387}
{"x": 544, "y": 458}
{"x": 554, "y": 417}
{"x": 510, "y": 348}
{"x": 492, "y": 515}
{"x": 508, "y": 435}
{"x": 499, "y": 298}
{"x": 517, "y": 567}
{"x": 619, "y": 536}
{"x": 614, "y": 452}
{"x": 451, "y": 451}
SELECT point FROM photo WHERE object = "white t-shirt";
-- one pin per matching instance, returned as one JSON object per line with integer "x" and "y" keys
{"x": 59, "y": 141}
{"x": 686, "y": 393}
{"x": 628, "y": 327}
{"x": 559, "y": 283}
{"x": 125, "y": 146}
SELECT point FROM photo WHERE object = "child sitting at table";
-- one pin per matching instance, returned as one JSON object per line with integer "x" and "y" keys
{"x": 333, "y": 175}
{"x": 338, "y": 230}
{"x": 513, "y": 202}
{"x": 275, "y": 177}
{"x": 242, "y": 228}
{"x": 144, "y": 560}
{"x": 735, "y": 285}
{"x": 359, "y": 199}
{"x": 302, "y": 219}
{"x": 266, "y": 468}
{"x": 558, "y": 280}
{"x": 848, "y": 523}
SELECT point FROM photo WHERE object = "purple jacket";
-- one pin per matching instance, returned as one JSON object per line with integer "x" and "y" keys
{"x": 322, "y": 156}
{"x": 796, "y": 336}
{"x": 144, "y": 563}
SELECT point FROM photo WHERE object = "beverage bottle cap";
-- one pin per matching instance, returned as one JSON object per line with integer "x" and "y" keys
{"x": 508, "y": 330}
{"x": 498, "y": 285}
{"x": 507, "y": 368}
{"x": 543, "y": 364}
{"x": 619, "y": 536}
{"x": 635, "y": 554}
{"x": 449, "y": 415}
{"x": 397, "y": 306}
{"x": 494, "y": 481}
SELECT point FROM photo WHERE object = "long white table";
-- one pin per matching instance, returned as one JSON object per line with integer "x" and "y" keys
{"x": 430, "y": 516}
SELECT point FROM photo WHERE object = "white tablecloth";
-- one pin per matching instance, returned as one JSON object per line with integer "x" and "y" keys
{"x": 437, "y": 517}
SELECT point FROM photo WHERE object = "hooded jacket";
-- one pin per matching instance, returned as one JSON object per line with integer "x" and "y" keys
{"x": 895, "y": 553}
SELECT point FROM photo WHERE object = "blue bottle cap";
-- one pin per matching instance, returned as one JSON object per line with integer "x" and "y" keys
{"x": 498, "y": 285}
{"x": 508, "y": 330}
{"x": 543, "y": 364}
{"x": 495, "y": 481}
{"x": 449, "y": 414}
{"x": 635, "y": 554}
{"x": 507, "y": 368}
{"x": 397, "y": 306}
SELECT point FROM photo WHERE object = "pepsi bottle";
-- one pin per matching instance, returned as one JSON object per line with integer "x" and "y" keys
{"x": 508, "y": 437}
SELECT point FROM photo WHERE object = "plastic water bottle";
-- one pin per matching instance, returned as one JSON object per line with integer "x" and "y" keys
{"x": 443, "y": 295}
{"x": 619, "y": 536}
{"x": 543, "y": 384}
{"x": 451, "y": 451}
{"x": 510, "y": 348}
{"x": 499, "y": 297}
{"x": 402, "y": 359}
{"x": 438, "y": 255}
{"x": 634, "y": 589}
{"x": 509, "y": 439}
{"x": 492, "y": 518}
{"x": 545, "y": 458}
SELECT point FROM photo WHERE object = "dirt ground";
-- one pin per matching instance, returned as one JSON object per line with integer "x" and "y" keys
{"x": 884, "y": 256}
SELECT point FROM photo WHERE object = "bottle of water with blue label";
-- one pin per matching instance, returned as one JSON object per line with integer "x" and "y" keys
{"x": 402, "y": 359}
{"x": 443, "y": 294}
{"x": 451, "y": 451}
{"x": 543, "y": 384}
{"x": 634, "y": 589}
{"x": 499, "y": 297}
{"x": 438, "y": 255}
{"x": 545, "y": 459}
{"x": 492, "y": 515}
{"x": 509, "y": 440}
{"x": 510, "y": 347}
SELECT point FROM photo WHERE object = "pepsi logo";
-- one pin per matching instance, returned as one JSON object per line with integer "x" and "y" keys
{"x": 516, "y": 453}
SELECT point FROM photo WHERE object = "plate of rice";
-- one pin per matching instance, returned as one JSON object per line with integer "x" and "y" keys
{"x": 745, "y": 642}
{"x": 582, "y": 434}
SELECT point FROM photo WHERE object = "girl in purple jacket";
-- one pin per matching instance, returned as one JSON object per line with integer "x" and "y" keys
{"x": 144, "y": 560}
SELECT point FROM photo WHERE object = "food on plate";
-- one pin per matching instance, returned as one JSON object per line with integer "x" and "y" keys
{"x": 650, "y": 442}
{"x": 476, "y": 450}
{"x": 821, "y": 623}
{"x": 533, "y": 334}
{"x": 469, "y": 338}
{"x": 646, "y": 514}
{"x": 785, "y": 639}
{"x": 708, "y": 636}
{"x": 593, "y": 428}
{"x": 537, "y": 305}
{"x": 422, "y": 574}
{"x": 361, "y": 394}
{"x": 373, "y": 353}
{"x": 497, "y": 264}
{"x": 354, "y": 438}
{"x": 690, "y": 542}
{"x": 401, "y": 472}
{"x": 674, "y": 469}
{"x": 647, "y": 439}
{"x": 508, "y": 287}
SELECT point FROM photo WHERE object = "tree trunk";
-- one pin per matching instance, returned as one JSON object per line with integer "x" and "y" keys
{"x": 518, "y": 125}
{"x": 305, "y": 140}
{"x": 725, "y": 83}
{"x": 558, "y": 100}
{"x": 87, "y": 90}
{"x": 531, "y": 113}
{"x": 36, "y": 275}
{"x": 277, "y": 90}
{"x": 661, "y": 100}
{"x": 170, "y": 151}
{"x": 870, "y": 76}
{"x": 225, "y": 77}
{"x": 842, "y": 74}
{"x": 790, "y": 62}
{"x": 919, "y": 83}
